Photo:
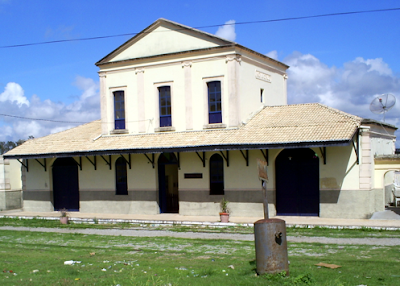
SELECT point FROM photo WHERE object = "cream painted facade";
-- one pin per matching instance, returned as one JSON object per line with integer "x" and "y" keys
{"x": 347, "y": 179}
{"x": 340, "y": 192}
{"x": 10, "y": 184}
{"x": 243, "y": 75}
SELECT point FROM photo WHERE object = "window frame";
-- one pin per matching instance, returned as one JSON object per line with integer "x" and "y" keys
{"x": 164, "y": 91}
{"x": 206, "y": 122}
{"x": 214, "y": 101}
{"x": 119, "y": 123}
{"x": 157, "y": 126}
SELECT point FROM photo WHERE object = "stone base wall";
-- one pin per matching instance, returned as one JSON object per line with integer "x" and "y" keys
{"x": 10, "y": 200}
{"x": 333, "y": 203}
{"x": 121, "y": 207}
{"x": 236, "y": 209}
{"x": 357, "y": 204}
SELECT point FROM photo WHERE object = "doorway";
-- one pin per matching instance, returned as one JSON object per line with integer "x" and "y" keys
{"x": 297, "y": 182}
{"x": 65, "y": 184}
{"x": 168, "y": 183}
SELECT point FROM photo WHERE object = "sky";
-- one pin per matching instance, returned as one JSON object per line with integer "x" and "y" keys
{"x": 342, "y": 61}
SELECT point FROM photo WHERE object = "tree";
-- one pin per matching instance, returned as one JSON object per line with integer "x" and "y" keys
{"x": 7, "y": 146}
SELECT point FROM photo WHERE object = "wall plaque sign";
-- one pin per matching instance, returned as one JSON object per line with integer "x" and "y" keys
{"x": 193, "y": 175}
{"x": 263, "y": 76}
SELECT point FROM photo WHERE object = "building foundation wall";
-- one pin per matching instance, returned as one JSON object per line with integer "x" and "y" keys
{"x": 351, "y": 204}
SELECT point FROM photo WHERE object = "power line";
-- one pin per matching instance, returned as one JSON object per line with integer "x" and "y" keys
{"x": 209, "y": 26}
{"x": 41, "y": 119}
{"x": 61, "y": 121}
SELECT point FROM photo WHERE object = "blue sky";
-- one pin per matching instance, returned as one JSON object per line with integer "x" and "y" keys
{"x": 342, "y": 61}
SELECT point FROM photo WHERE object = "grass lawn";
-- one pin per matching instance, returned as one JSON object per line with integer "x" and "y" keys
{"x": 31, "y": 258}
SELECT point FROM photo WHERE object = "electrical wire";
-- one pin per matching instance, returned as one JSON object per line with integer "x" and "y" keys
{"x": 61, "y": 121}
{"x": 209, "y": 26}
{"x": 41, "y": 119}
{"x": 199, "y": 27}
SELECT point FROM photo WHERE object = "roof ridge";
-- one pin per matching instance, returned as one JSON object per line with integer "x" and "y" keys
{"x": 194, "y": 29}
{"x": 171, "y": 132}
{"x": 63, "y": 131}
{"x": 332, "y": 109}
{"x": 329, "y": 108}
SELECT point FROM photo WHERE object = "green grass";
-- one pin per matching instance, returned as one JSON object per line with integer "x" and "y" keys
{"x": 34, "y": 258}
{"x": 291, "y": 231}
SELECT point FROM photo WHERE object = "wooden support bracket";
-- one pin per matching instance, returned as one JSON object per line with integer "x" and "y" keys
{"x": 357, "y": 147}
{"x": 79, "y": 163}
{"x": 226, "y": 157}
{"x": 127, "y": 161}
{"x": 107, "y": 162}
{"x": 150, "y": 160}
{"x": 266, "y": 155}
{"x": 44, "y": 165}
{"x": 178, "y": 157}
{"x": 94, "y": 162}
{"x": 25, "y": 165}
{"x": 245, "y": 156}
{"x": 202, "y": 158}
{"x": 323, "y": 152}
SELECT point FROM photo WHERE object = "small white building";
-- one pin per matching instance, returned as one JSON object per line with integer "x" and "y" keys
{"x": 10, "y": 184}
{"x": 184, "y": 117}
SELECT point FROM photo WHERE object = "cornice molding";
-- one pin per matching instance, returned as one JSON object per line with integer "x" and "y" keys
{"x": 235, "y": 57}
{"x": 139, "y": 70}
{"x": 186, "y": 64}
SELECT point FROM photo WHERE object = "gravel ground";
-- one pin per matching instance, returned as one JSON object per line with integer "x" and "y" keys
{"x": 200, "y": 235}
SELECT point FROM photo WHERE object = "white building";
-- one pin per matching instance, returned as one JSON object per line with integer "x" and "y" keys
{"x": 184, "y": 117}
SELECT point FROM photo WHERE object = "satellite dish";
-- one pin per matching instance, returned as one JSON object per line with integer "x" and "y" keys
{"x": 382, "y": 104}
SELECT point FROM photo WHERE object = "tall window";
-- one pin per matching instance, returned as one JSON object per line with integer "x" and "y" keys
{"x": 119, "y": 109}
{"x": 165, "y": 106}
{"x": 214, "y": 102}
{"x": 121, "y": 177}
{"x": 261, "y": 94}
{"x": 216, "y": 175}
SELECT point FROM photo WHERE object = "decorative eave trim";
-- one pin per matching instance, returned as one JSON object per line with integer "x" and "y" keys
{"x": 227, "y": 47}
{"x": 200, "y": 148}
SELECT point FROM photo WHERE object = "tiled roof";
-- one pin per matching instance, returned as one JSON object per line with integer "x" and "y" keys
{"x": 300, "y": 125}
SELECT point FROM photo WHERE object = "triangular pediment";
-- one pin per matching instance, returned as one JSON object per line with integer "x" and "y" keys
{"x": 164, "y": 37}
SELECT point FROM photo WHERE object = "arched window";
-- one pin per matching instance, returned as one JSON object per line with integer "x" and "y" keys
{"x": 119, "y": 109}
{"x": 121, "y": 178}
{"x": 165, "y": 105}
{"x": 214, "y": 102}
{"x": 216, "y": 175}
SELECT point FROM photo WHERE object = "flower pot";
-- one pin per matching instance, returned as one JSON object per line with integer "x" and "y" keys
{"x": 64, "y": 220}
{"x": 224, "y": 217}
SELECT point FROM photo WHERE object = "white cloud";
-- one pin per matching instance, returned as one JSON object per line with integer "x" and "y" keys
{"x": 350, "y": 88}
{"x": 85, "y": 109}
{"x": 13, "y": 92}
{"x": 227, "y": 31}
{"x": 64, "y": 32}
{"x": 273, "y": 55}
{"x": 376, "y": 65}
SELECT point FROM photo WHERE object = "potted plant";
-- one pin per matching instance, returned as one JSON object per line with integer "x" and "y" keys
{"x": 224, "y": 214}
{"x": 63, "y": 216}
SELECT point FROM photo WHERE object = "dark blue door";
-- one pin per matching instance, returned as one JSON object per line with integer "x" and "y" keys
{"x": 65, "y": 184}
{"x": 297, "y": 182}
{"x": 168, "y": 200}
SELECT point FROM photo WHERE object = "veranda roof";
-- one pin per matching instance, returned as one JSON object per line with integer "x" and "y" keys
{"x": 286, "y": 126}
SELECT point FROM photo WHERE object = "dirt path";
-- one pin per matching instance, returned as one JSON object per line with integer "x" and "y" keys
{"x": 201, "y": 235}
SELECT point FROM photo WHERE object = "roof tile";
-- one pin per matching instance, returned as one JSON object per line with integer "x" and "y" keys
{"x": 273, "y": 125}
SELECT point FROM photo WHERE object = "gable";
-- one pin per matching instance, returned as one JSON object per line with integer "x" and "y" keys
{"x": 164, "y": 37}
